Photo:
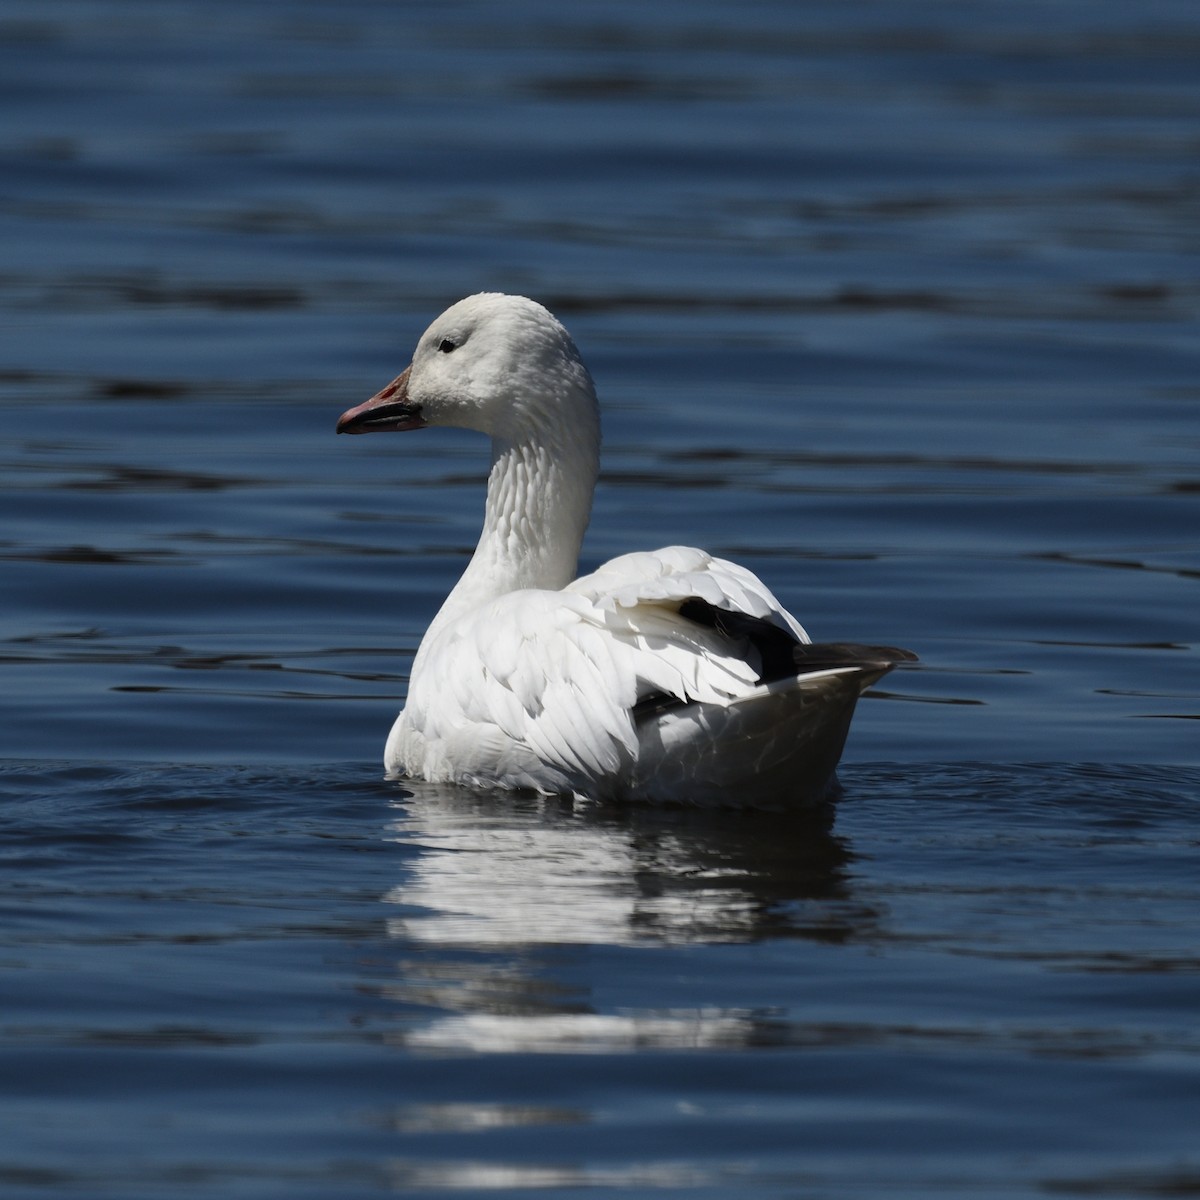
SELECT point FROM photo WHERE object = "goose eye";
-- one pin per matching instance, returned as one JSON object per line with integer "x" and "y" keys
{"x": 445, "y": 346}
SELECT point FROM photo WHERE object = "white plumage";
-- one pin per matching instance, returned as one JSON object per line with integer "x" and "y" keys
{"x": 666, "y": 675}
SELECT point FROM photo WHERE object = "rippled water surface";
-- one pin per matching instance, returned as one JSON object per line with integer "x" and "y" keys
{"x": 894, "y": 303}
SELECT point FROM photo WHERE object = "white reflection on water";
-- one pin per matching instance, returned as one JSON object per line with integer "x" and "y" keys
{"x": 477, "y": 1117}
{"x": 496, "y": 1176}
{"x": 501, "y": 881}
{"x": 587, "y": 1033}
{"x": 500, "y": 870}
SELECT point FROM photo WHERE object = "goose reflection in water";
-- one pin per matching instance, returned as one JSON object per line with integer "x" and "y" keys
{"x": 504, "y": 883}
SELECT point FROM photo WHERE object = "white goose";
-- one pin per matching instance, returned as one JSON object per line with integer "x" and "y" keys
{"x": 667, "y": 675}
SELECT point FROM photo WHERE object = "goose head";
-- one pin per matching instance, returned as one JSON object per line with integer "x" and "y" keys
{"x": 498, "y": 364}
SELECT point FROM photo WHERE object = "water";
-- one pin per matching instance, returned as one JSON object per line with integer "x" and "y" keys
{"x": 895, "y": 305}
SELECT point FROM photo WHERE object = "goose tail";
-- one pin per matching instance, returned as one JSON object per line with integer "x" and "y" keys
{"x": 777, "y": 746}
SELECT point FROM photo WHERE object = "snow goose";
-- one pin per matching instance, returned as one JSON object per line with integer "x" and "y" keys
{"x": 667, "y": 675}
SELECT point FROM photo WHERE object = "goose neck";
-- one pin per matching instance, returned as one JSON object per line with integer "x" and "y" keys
{"x": 539, "y": 499}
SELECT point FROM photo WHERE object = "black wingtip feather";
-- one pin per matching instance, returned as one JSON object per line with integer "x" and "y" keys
{"x": 823, "y": 656}
{"x": 780, "y": 653}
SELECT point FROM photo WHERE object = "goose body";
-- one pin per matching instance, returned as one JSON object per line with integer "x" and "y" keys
{"x": 668, "y": 675}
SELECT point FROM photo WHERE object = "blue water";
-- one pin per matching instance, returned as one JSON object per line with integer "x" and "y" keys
{"x": 895, "y": 304}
